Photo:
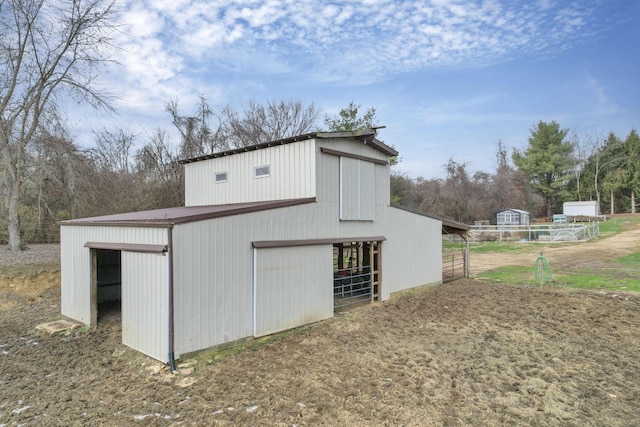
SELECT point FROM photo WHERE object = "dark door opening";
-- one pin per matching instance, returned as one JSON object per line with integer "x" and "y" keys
{"x": 356, "y": 273}
{"x": 106, "y": 284}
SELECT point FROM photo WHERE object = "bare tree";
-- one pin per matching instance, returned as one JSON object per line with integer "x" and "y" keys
{"x": 198, "y": 135}
{"x": 47, "y": 49}
{"x": 55, "y": 173}
{"x": 113, "y": 150}
{"x": 157, "y": 165}
{"x": 209, "y": 130}
{"x": 276, "y": 120}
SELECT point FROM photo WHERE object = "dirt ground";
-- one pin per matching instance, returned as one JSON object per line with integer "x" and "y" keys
{"x": 465, "y": 353}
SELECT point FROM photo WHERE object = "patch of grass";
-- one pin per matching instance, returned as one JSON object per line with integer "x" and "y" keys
{"x": 582, "y": 281}
{"x": 511, "y": 274}
{"x": 633, "y": 259}
{"x": 481, "y": 248}
{"x": 452, "y": 246}
{"x": 618, "y": 224}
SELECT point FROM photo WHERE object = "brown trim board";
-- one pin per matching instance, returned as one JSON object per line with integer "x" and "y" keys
{"x": 310, "y": 242}
{"x": 353, "y": 156}
{"x": 127, "y": 247}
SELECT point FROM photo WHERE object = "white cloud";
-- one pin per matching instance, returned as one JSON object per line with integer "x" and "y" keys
{"x": 173, "y": 46}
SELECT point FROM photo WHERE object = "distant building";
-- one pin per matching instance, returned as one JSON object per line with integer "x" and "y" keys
{"x": 586, "y": 208}
{"x": 513, "y": 217}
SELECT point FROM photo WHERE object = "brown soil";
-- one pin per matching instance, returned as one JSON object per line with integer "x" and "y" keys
{"x": 463, "y": 353}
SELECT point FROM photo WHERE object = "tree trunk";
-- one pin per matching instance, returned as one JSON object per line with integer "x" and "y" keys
{"x": 613, "y": 211}
{"x": 633, "y": 202}
{"x": 13, "y": 222}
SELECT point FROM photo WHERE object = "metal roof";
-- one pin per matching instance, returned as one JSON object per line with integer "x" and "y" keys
{"x": 448, "y": 225}
{"x": 366, "y": 136}
{"x": 515, "y": 210}
{"x": 178, "y": 215}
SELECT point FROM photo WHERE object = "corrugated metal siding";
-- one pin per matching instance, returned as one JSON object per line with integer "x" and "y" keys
{"x": 292, "y": 175}
{"x": 145, "y": 303}
{"x": 367, "y": 191}
{"x": 328, "y": 175}
{"x": 412, "y": 253}
{"x": 357, "y": 190}
{"x": 293, "y": 287}
{"x": 213, "y": 262}
{"x": 75, "y": 261}
{"x": 214, "y": 267}
{"x": 349, "y": 189}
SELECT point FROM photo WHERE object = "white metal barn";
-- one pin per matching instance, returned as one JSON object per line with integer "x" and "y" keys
{"x": 272, "y": 237}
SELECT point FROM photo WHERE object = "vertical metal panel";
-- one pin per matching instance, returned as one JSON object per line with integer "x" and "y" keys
{"x": 292, "y": 175}
{"x": 145, "y": 311}
{"x": 358, "y": 190}
{"x": 412, "y": 254}
{"x": 367, "y": 191}
{"x": 293, "y": 287}
{"x": 349, "y": 189}
{"x": 76, "y": 261}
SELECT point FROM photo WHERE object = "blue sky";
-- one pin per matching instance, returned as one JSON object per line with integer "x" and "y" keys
{"x": 447, "y": 78}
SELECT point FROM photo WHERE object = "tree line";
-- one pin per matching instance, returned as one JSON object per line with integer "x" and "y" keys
{"x": 556, "y": 166}
{"x": 51, "y": 52}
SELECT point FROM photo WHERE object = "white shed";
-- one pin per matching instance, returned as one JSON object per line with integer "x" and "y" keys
{"x": 585, "y": 208}
{"x": 272, "y": 237}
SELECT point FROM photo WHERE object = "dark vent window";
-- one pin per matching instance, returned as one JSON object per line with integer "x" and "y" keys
{"x": 261, "y": 171}
{"x": 221, "y": 177}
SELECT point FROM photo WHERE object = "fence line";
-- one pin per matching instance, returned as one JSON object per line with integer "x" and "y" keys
{"x": 558, "y": 232}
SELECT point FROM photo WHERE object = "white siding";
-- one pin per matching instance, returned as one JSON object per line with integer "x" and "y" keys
{"x": 349, "y": 189}
{"x": 214, "y": 262}
{"x": 328, "y": 175}
{"x": 367, "y": 191}
{"x": 145, "y": 303}
{"x": 587, "y": 208}
{"x": 214, "y": 267}
{"x": 412, "y": 253}
{"x": 292, "y": 175}
{"x": 75, "y": 261}
{"x": 357, "y": 190}
{"x": 293, "y": 287}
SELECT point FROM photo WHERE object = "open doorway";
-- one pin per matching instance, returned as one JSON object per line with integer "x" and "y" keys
{"x": 356, "y": 273}
{"x": 106, "y": 284}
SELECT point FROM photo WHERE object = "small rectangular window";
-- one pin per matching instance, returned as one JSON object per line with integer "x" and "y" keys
{"x": 261, "y": 171}
{"x": 221, "y": 177}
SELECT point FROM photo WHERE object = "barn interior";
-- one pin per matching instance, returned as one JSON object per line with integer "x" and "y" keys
{"x": 108, "y": 282}
{"x": 356, "y": 273}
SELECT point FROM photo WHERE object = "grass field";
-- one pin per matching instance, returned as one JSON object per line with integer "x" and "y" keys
{"x": 606, "y": 272}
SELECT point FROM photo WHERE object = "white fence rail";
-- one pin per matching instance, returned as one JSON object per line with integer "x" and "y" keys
{"x": 562, "y": 232}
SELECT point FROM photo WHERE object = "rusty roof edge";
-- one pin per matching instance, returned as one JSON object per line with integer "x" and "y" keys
{"x": 446, "y": 222}
{"x": 238, "y": 209}
{"x": 368, "y": 135}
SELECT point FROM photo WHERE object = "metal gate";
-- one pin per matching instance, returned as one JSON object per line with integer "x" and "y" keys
{"x": 453, "y": 266}
{"x": 352, "y": 286}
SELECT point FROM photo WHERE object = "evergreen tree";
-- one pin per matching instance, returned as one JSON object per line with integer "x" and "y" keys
{"x": 547, "y": 162}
